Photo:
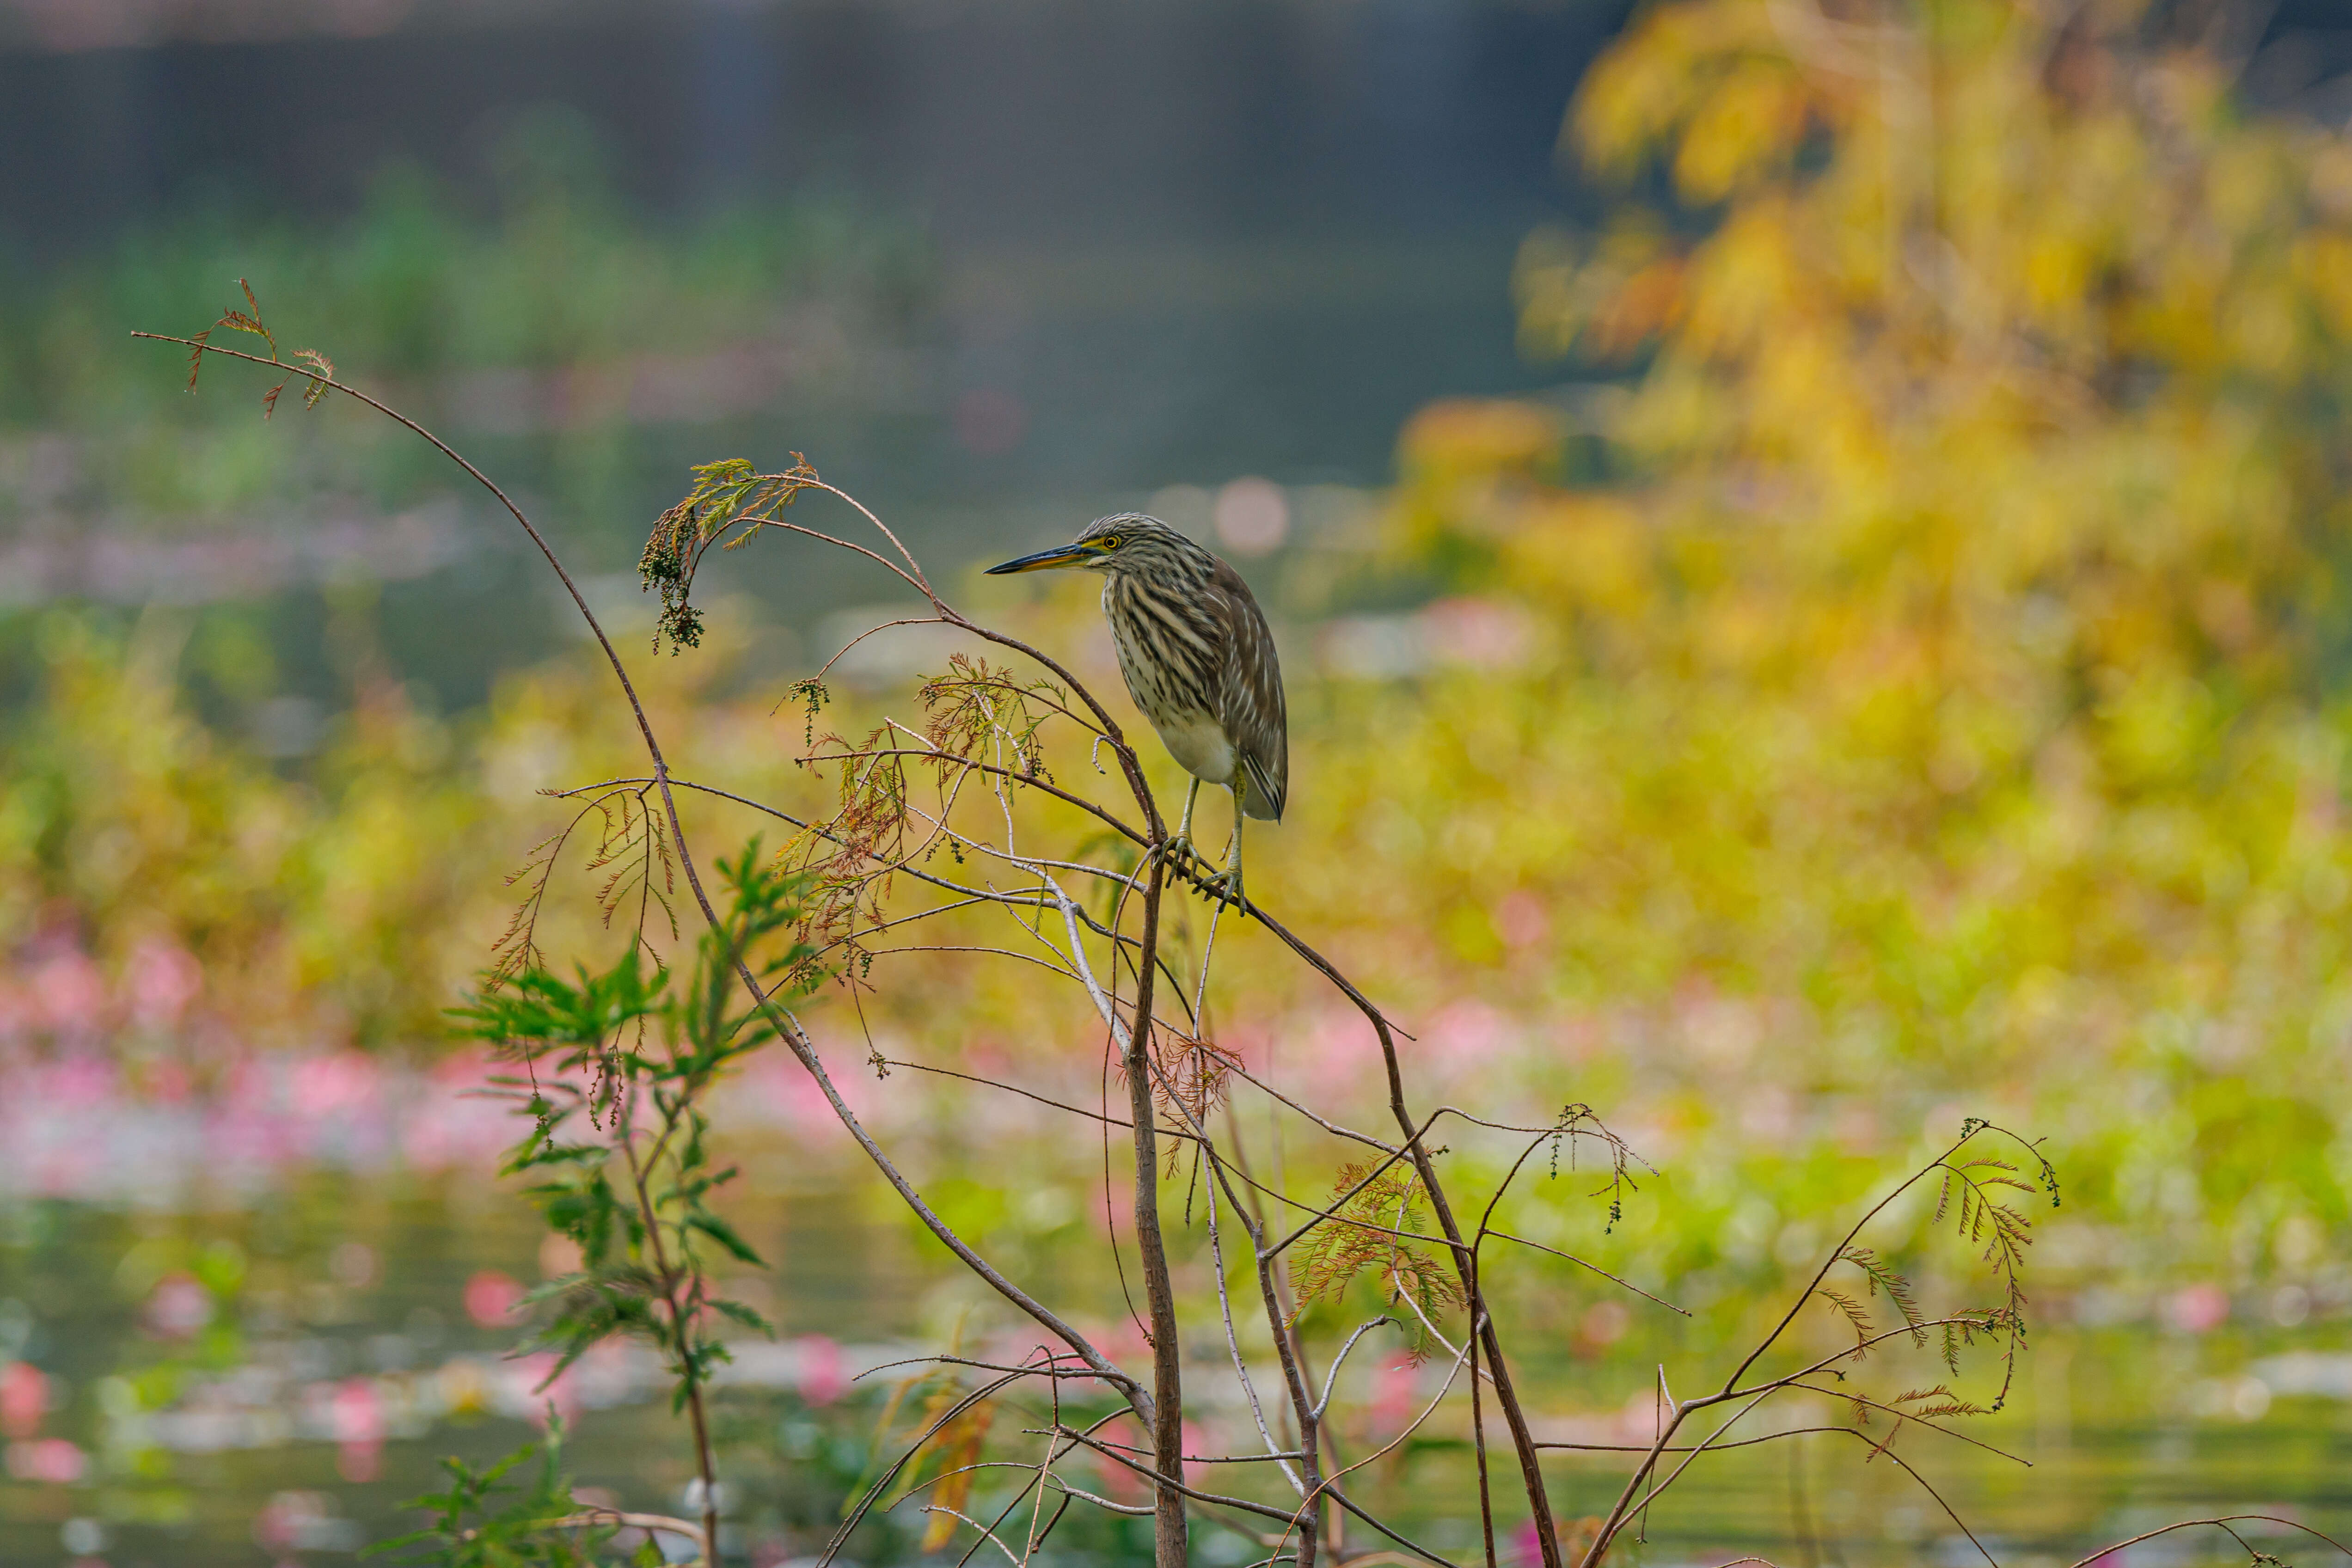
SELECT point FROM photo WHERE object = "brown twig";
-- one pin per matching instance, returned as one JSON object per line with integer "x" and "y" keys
{"x": 2221, "y": 1521}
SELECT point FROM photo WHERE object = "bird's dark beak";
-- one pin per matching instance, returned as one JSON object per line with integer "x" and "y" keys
{"x": 1043, "y": 561}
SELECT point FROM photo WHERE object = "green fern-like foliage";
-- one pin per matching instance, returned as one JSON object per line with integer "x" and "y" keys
{"x": 1373, "y": 1227}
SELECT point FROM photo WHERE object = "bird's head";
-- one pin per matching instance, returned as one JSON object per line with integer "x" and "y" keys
{"x": 1125, "y": 542}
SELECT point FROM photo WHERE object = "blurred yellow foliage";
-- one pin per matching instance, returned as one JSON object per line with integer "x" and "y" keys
{"x": 207, "y": 891}
{"x": 1954, "y": 608}
{"x": 201, "y": 900}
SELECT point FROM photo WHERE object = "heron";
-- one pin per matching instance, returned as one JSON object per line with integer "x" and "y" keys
{"x": 1199, "y": 660}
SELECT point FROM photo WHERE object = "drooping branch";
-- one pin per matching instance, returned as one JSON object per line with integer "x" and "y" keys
{"x": 788, "y": 1027}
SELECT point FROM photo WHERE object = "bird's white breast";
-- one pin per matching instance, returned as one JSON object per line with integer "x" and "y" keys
{"x": 1198, "y": 743}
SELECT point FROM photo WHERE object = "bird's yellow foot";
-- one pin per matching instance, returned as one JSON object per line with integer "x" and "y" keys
{"x": 1177, "y": 850}
{"x": 1225, "y": 887}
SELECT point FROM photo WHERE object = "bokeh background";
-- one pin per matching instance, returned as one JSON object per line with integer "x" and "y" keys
{"x": 1811, "y": 550}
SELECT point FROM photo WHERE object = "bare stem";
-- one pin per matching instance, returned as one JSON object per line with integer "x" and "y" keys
{"x": 705, "y": 1462}
{"x": 1167, "y": 1350}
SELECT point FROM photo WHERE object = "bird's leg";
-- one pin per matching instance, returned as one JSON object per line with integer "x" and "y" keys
{"x": 1227, "y": 884}
{"x": 1179, "y": 848}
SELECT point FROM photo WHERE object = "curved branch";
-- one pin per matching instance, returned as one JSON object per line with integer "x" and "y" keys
{"x": 2222, "y": 1522}
{"x": 787, "y": 1027}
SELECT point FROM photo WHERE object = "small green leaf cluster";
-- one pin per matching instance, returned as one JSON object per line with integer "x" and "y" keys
{"x": 613, "y": 1065}
{"x": 729, "y": 496}
{"x": 473, "y": 1527}
{"x": 635, "y": 1194}
{"x": 316, "y": 366}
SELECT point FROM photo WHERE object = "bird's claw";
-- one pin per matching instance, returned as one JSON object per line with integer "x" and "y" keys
{"x": 1225, "y": 887}
{"x": 1177, "y": 850}
{"x": 1219, "y": 887}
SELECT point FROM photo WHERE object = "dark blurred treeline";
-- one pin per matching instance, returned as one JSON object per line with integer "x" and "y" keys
{"x": 1021, "y": 122}
{"x": 1058, "y": 121}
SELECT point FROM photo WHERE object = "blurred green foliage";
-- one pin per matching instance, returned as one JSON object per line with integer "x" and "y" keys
{"x": 530, "y": 305}
{"x": 551, "y": 267}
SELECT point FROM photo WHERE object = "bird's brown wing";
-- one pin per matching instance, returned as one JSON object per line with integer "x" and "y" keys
{"x": 1249, "y": 705}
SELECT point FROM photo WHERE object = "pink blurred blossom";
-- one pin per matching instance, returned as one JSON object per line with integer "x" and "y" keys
{"x": 79, "y": 1079}
{"x": 822, "y": 1378}
{"x": 355, "y": 1419}
{"x": 456, "y": 1123}
{"x": 1604, "y": 1324}
{"x": 170, "y": 1082}
{"x": 247, "y": 1127}
{"x": 1857, "y": 1127}
{"x": 1521, "y": 920}
{"x": 65, "y": 1169}
{"x": 285, "y": 1521}
{"x": 178, "y": 1307}
{"x": 778, "y": 1090}
{"x": 1466, "y": 1035}
{"x": 1249, "y": 1037}
{"x": 52, "y": 1460}
{"x": 23, "y": 1398}
{"x": 527, "y": 1372}
{"x": 1483, "y": 633}
{"x": 492, "y": 1298}
{"x": 1578, "y": 1036}
{"x": 1123, "y": 1342}
{"x": 1768, "y": 1113}
{"x": 1393, "y": 1405}
{"x": 1117, "y": 1481}
{"x": 163, "y": 979}
{"x": 82, "y": 1125}
{"x": 1336, "y": 1043}
{"x": 334, "y": 1085}
{"x": 1195, "y": 1439}
{"x": 2198, "y": 1308}
{"x": 68, "y": 994}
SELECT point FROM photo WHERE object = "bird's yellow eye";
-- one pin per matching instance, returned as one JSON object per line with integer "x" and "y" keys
{"x": 1110, "y": 542}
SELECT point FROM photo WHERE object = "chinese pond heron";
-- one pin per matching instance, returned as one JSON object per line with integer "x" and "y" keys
{"x": 1199, "y": 662}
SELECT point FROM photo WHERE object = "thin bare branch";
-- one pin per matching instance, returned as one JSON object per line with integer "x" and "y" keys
{"x": 2220, "y": 1522}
